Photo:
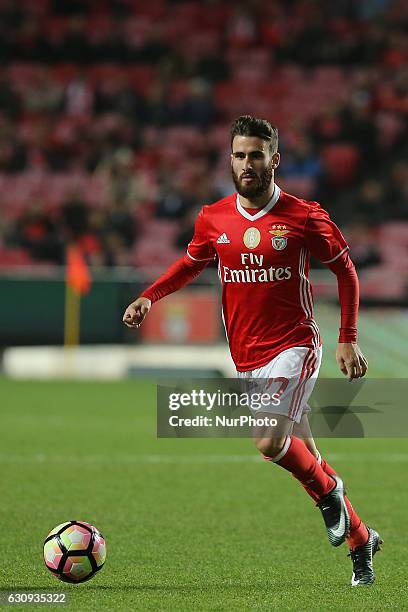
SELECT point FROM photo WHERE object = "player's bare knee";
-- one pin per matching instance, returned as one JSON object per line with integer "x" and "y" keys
{"x": 270, "y": 446}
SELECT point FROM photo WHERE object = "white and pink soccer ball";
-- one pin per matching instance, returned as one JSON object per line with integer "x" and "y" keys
{"x": 74, "y": 551}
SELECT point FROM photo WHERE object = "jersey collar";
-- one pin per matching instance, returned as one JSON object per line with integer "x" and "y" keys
{"x": 264, "y": 210}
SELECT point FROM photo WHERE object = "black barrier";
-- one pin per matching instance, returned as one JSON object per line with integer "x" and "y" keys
{"x": 43, "y": 323}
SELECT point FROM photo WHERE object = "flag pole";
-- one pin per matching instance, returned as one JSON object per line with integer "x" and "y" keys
{"x": 72, "y": 316}
{"x": 77, "y": 283}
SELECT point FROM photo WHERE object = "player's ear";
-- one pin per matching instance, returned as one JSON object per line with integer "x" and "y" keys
{"x": 275, "y": 160}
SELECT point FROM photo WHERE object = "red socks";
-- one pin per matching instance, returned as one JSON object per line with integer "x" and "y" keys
{"x": 315, "y": 478}
{"x": 296, "y": 458}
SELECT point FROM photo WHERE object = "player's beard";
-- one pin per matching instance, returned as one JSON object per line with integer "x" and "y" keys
{"x": 260, "y": 184}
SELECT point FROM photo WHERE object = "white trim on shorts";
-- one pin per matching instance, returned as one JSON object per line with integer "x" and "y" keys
{"x": 300, "y": 366}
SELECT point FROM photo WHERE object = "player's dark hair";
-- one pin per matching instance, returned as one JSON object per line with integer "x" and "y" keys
{"x": 247, "y": 125}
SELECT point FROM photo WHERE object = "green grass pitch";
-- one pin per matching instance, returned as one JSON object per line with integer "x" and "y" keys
{"x": 189, "y": 524}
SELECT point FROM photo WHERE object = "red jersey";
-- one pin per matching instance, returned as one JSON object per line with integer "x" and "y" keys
{"x": 267, "y": 299}
{"x": 263, "y": 266}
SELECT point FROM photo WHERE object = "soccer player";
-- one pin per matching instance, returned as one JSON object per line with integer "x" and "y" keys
{"x": 262, "y": 238}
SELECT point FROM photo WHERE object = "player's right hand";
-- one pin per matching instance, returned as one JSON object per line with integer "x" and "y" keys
{"x": 136, "y": 312}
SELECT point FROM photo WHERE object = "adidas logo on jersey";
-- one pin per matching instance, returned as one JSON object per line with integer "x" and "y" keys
{"x": 223, "y": 239}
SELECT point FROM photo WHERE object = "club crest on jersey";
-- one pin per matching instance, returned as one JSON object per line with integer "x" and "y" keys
{"x": 252, "y": 237}
{"x": 279, "y": 240}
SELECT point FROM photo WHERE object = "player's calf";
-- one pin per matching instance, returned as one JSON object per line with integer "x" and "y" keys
{"x": 271, "y": 447}
{"x": 271, "y": 440}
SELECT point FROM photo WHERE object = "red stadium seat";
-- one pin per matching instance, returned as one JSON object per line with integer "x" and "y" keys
{"x": 54, "y": 28}
{"x": 137, "y": 30}
{"x": 394, "y": 232}
{"x": 141, "y": 77}
{"x": 340, "y": 160}
{"x": 147, "y": 255}
{"x": 154, "y": 8}
{"x": 146, "y": 252}
{"x": 14, "y": 257}
{"x": 303, "y": 186}
{"x": 64, "y": 73}
{"x": 393, "y": 244}
{"x": 381, "y": 283}
{"x": 163, "y": 230}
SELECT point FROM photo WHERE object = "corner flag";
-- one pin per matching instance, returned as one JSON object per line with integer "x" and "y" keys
{"x": 77, "y": 283}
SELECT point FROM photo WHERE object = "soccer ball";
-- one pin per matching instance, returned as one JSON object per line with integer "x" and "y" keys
{"x": 74, "y": 551}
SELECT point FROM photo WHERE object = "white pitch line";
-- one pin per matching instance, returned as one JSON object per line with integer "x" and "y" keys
{"x": 129, "y": 459}
{"x": 185, "y": 459}
{"x": 368, "y": 457}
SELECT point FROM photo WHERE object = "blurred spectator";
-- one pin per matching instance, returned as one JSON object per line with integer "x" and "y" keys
{"x": 36, "y": 232}
{"x": 116, "y": 250}
{"x": 109, "y": 236}
{"x": 363, "y": 242}
{"x": 120, "y": 222}
{"x": 211, "y": 66}
{"x": 44, "y": 95}
{"x": 186, "y": 228}
{"x": 242, "y": 27}
{"x": 155, "y": 48}
{"x": 359, "y": 128}
{"x": 301, "y": 160}
{"x": 74, "y": 215}
{"x": 13, "y": 155}
{"x": 197, "y": 108}
{"x": 10, "y": 101}
{"x": 370, "y": 204}
{"x": 112, "y": 47}
{"x": 29, "y": 42}
{"x": 327, "y": 126}
{"x": 76, "y": 222}
{"x": 74, "y": 46}
{"x": 125, "y": 186}
{"x": 367, "y": 9}
{"x": 11, "y": 15}
{"x": 79, "y": 96}
{"x": 158, "y": 105}
{"x": 68, "y": 8}
{"x": 173, "y": 203}
{"x": 118, "y": 96}
{"x": 397, "y": 191}
{"x": 393, "y": 94}
{"x": 315, "y": 44}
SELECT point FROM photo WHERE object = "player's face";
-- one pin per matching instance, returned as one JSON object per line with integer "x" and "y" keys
{"x": 252, "y": 165}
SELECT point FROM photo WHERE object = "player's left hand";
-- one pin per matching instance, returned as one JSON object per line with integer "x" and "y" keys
{"x": 351, "y": 360}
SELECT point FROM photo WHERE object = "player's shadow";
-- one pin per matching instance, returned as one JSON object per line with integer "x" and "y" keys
{"x": 71, "y": 590}
{"x": 145, "y": 587}
{"x": 165, "y": 588}
{"x": 74, "y": 588}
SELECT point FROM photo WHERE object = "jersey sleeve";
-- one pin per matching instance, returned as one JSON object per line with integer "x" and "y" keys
{"x": 179, "y": 274}
{"x": 326, "y": 242}
{"x": 200, "y": 248}
{"x": 323, "y": 238}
